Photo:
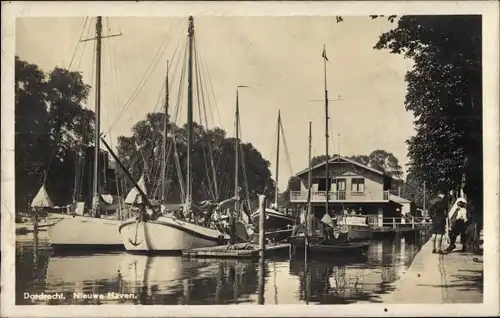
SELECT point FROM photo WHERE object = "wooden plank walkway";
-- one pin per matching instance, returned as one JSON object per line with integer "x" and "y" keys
{"x": 241, "y": 250}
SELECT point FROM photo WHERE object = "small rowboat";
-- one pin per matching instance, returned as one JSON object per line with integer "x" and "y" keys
{"x": 344, "y": 248}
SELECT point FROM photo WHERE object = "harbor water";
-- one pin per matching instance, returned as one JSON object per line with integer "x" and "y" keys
{"x": 114, "y": 278}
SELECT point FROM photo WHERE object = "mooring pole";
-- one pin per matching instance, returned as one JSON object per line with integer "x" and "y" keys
{"x": 35, "y": 229}
{"x": 262, "y": 218}
{"x": 262, "y": 281}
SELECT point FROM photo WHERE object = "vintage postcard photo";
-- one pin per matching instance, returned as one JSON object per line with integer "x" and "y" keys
{"x": 186, "y": 156}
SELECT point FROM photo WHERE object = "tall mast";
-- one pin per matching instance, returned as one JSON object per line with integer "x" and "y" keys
{"x": 165, "y": 142}
{"x": 326, "y": 140}
{"x": 189, "y": 178}
{"x": 236, "y": 156}
{"x": 277, "y": 161}
{"x": 309, "y": 185}
{"x": 96, "y": 199}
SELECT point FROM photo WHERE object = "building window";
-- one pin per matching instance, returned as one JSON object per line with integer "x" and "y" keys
{"x": 322, "y": 184}
{"x": 341, "y": 184}
{"x": 358, "y": 185}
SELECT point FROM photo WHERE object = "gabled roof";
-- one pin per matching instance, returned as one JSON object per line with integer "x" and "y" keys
{"x": 336, "y": 158}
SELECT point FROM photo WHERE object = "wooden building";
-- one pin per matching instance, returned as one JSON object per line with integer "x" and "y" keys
{"x": 352, "y": 187}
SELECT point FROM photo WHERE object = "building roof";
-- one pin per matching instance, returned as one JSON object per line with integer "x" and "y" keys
{"x": 399, "y": 199}
{"x": 336, "y": 158}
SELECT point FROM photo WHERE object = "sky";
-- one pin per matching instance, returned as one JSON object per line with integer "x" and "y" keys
{"x": 279, "y": 58}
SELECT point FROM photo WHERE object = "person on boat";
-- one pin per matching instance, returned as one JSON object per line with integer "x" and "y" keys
{"x": 457, "y": 224}
{"x": 203, "y": 212}
{"x": 437, "y": 210}
{"x": 401, "y": 215}
{"x": 329, "y": 225}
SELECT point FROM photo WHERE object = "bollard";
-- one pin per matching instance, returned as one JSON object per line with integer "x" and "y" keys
{"x": 262, "y": 218}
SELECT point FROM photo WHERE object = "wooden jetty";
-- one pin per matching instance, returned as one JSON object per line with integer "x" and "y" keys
{"x": 396, "y": 224}
{"x": 240, "y": 250}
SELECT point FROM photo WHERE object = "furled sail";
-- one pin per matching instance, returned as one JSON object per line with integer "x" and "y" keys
{"x": 134, "y": 197}
{"x": 42, "y": 199}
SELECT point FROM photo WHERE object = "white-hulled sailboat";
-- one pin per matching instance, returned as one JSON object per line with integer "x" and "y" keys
{"x": 152, "y": 231}
{"x": 77, "y": 231}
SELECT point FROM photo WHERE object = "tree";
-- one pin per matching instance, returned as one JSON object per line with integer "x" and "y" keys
{"x": 362, "y": 159}
{"x": 378, "y": 159}
{"x": 51, "y": 124}
{"x": 381, "y": 160}
{"x": 294, "y": 184}
{"x": 141, "y": 152}
{"x": 412, "y": 189}
{"x": 445, "y": 95}
{"x": 30, "y": 128}
{"x": 320, "y": 159}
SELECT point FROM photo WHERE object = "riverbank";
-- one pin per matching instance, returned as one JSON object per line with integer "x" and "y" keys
{"x": 440, "y": 279}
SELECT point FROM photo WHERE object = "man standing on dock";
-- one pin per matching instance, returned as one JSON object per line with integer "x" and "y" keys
{"x": 437, "y": 211}
{"x": 457, "y": 224}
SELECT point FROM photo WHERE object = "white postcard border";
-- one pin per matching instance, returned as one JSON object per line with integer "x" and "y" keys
{"x": 488, "y": 9}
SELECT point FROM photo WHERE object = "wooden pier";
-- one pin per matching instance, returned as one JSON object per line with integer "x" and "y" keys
{"x": 240, "y": 250}
{"x": 395, "y": 224}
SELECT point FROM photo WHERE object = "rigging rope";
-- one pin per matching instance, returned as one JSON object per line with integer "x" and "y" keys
{"x": 170, "y": 146}
{"x": 158, "y": 168}
{"x": 114, "y": 79}
{"x": 276, "y": 132}
{"x": 152, "y": 134}
{"x": 209, "y": 141}
{"x": 179, "y": 170}
{"x": 78, "y": 43}
{"x": 213, "y": 94}
{"x": 199, "y": 93}
{"x": 61, "y": 120}
{"x": 143, "y": 80}
{"x": 287, "y": 153}
{"x": 245, "y": 178}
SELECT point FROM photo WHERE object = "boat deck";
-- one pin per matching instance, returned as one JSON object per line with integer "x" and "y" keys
{"x": 241, "y": 250}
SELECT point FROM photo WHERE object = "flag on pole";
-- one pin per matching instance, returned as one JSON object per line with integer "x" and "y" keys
{"x": 324, "y": 54}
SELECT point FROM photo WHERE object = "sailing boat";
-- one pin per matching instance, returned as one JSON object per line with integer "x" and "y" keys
{"x": 275, "y": 220}
{"x": 242, "y": 229}
{"x": 335, "y": 237}
{"x": 150, "y": 232}
{"x": 88, "y": 231}
{"x": 40, "y": 202}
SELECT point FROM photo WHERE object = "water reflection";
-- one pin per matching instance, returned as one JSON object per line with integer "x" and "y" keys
{"x": 340, "y": 280}
{"x": 177, "y": 280}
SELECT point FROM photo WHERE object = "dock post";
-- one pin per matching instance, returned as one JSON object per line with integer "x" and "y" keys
{"x": 262, "y": 218}
{"x": 262, "y": 281}
{"x": 412, "y": 222}
{"x": 394, "y": 223}
{"x": 232, "y": 230}
{"x": 35, "y": 220}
